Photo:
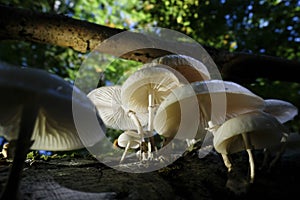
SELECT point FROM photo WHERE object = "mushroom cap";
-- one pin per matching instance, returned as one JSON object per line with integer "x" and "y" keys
{"x": 173, "y": 112}
{"x": 284, "y": 111}
{"x": 48, "y": 134}
{"x": 52, "y": 135}
{"x": 167, "y": 119}
{"x": 55, "y": 129}
{"x": 107, "y": 99}
{"x": 191, "y": 68}
{"x": 131, "y": 136}
{"x": 148, "y": 80}
{"x": 263, "y": 129}
{"x": 238, "y": 98}
{"x": 235, "y": 98}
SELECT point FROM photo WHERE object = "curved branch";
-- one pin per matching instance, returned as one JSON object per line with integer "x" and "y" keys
{"x": 83, "y": 36}
{"x": 244, "y": 67}
{"x": 60, "y": 30}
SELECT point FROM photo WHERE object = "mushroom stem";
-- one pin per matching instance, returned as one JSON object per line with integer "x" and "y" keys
{"x": 227, "y": 162}
{"x": 251, "y": 161}
{"x": 151, "y": 111}
{"x": 150, "y": 120}
{"x": 125, "y": 151}
{"x": 281, "y": 150}
{"x": 266, "y": 152}
{"x": 136, "y": 121}
{"x": 247, "y": 143}
{"x": 149, "y": 147}
{"x": 150, "y": 155}
{"x": 27, "y": 124}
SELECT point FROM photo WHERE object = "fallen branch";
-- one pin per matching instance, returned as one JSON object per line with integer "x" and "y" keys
{"x": 83, "y": 36}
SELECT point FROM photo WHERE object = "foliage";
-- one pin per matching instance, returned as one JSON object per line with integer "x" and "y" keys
{"x": 234, "y": 25}
{"x": 66, "y": 62}
{"x": 269, "y": 27}
{"x": 231, "y": 25}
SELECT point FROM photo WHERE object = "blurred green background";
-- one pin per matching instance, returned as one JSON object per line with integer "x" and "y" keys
{"x": 255, "y": 26}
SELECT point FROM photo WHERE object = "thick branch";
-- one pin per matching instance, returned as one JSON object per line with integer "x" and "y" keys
{"x": 245, "y": 67}
{"x": 21, "y": 24}
{"x": 60, "y": 30}
{"x": 83, "y": 36}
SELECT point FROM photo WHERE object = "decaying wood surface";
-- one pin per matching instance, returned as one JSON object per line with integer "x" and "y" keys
{"x": 187, "y": 178}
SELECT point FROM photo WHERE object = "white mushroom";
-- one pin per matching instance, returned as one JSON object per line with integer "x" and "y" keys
{"x": 192, "y": 69}
{"x": 129, "y": 139}
{"x": 37, "y": 110}
{"x": 147, "y": 88}
{"x": 4, "y": 151}
{"x": 292, "y": 144}
{"x": 108, "y": 102}
{"x": 253, "y": 130}
{"x": 283, "y": 111}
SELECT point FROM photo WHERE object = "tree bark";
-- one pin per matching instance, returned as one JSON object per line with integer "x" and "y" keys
{"x": 83, "y": 36}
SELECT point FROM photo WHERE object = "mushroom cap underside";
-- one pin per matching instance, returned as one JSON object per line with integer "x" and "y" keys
{"x": 58, "y": 101}
{"x": 51, "y": 134}
{"x": 150, "y": 80}
{"x": 107, "y": 99}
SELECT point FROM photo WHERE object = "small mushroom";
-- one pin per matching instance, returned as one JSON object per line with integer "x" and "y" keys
{"x": 114, "y": 115}
{"x": 4, "y": 152}
{"x": 129, "y": 139}
{"x": 147, "y": 88}
{"x": 248, "y": 131}
{"x": 37, "y": 112}
{"x": 283, "y": 111}
{"x": 292, "y": 144}
{"x": 192, "y": 69}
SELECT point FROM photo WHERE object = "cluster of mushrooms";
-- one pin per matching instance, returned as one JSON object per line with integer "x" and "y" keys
{"x": 149, "y": 102}
{"x": 37, "y": 113}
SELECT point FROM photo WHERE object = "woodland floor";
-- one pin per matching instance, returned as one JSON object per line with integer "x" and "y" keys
{"x": 187, "y": 178}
